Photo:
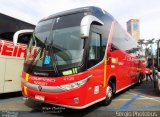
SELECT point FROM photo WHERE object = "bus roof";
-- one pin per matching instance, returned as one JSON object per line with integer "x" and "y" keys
{"x": 76, "y": 10}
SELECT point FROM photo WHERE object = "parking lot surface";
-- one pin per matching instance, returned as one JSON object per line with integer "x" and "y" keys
{"x": 141, "y": 100}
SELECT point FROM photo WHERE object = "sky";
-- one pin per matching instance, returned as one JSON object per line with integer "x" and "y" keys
{"x": 147, "y": 11}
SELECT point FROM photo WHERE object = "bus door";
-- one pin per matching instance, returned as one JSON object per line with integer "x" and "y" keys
{"x": 95, "y": 56}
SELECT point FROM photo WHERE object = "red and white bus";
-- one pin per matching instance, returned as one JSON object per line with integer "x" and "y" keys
{"x": 79, "y": 57}
{"x": 11, "y": 58}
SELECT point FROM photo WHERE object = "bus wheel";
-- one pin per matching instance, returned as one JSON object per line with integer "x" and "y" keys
{"x": 109, "y": 96}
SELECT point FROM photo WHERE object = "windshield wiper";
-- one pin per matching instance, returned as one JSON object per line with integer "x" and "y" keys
{"x": 55, "y": 58}
{"x": 31, "y": 67}
{"x": 46, "y": 47}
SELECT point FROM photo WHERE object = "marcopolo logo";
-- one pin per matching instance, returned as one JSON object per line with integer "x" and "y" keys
{"x": 41, "y": 74}
{"x": 39, "y": 88}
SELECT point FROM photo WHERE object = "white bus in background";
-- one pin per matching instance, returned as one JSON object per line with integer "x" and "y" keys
{"x": 11, "y": 58}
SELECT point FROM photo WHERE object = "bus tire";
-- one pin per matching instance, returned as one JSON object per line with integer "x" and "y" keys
{"x": 109, "y": 95}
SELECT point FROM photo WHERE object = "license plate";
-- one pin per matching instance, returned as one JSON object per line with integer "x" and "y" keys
{"x": 39, "y": 97}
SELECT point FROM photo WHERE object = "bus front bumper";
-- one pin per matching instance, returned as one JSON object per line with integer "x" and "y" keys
{"x": 75, "y": 99}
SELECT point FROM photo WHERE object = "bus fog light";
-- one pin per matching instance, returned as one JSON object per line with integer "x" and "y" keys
{"x": 76, "y": 100}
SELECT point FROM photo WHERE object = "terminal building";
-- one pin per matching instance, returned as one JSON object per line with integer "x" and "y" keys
{"x": 133, "y": 28}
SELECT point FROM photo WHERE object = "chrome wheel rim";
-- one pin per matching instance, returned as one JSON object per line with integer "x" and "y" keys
{"x": 109, "y": 92}
{"x": 139, "y": 81}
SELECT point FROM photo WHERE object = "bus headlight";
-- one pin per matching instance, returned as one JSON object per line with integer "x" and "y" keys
{"x": 75, "y": 84}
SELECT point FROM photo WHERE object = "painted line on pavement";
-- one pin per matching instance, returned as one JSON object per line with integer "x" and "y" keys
{"x": 129, "y": 99}
{"x": 152, "y": 99}
{"x": 146, "y": 97}
{"x": 126, "y": 105}
{"x": 128, "y": 109}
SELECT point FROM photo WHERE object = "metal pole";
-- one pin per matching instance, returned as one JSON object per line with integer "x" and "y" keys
{"x": 153, "y": 67}
{"x": 153, "y": 72}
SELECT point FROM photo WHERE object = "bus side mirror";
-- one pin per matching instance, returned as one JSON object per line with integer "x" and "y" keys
{"x": 86, "y": 23}
{"x": 20, "y": 33}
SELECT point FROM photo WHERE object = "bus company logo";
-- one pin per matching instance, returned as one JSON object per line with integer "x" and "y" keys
{"x": 129, "y": 58}
{"x": 41, "y": 74}
{"x": 39, "y": 88}
{"x": 37, "y": 80}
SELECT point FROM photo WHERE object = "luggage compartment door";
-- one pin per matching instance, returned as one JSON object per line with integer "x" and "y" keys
{"x": 2, "y": 74}
{"x": 13, "y": 73}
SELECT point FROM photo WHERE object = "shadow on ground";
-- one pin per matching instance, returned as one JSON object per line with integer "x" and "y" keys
{"x": 10, "y": 95}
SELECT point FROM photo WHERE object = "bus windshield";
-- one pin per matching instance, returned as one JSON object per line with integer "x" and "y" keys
{"x": 56, "y": 42}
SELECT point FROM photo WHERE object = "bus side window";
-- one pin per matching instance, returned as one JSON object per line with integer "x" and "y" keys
{"x": 24, "y": 39}
{"x": 94, "y": 49}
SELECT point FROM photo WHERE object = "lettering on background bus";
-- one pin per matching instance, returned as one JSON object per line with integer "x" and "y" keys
{"x": 15, "y": 51}
{"x": 128, "y": 58}
{"x": 0, "y": 48}
{"x": 7, "y": 49}
{"x": 21, "y": 52}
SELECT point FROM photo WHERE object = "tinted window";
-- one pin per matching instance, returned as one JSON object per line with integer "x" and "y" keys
{"x": 60, "y": 39}
{"x": 43, "y": 29}
{"x": 121, "y": 40}
{"x": 72, "y": 20}
{"x": 44, "y": 26}
{"x": 94, "y": 47}
{"x": 24, "y": 39}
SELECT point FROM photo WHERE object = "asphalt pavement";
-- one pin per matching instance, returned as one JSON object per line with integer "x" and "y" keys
{"x": 137, "y": 101}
